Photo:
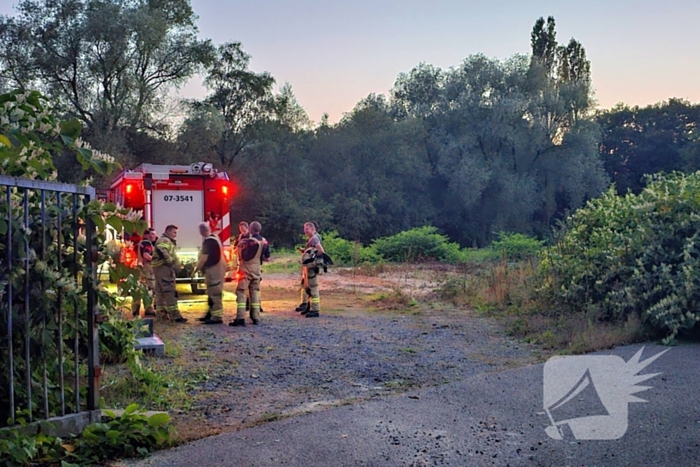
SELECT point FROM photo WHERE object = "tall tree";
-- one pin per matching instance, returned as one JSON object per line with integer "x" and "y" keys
{"x": 543, "y": 41}
{"x": 108, "y": 63}
{"x": 504, "y": 151}
{"x": 240, "y": 96}
{"x": 646, "y": 140}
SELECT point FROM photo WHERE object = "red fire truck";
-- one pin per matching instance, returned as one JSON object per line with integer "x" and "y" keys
{"x": 182, "y": 195}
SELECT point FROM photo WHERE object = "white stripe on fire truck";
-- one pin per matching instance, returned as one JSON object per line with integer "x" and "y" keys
{"x": 226, "y": 229}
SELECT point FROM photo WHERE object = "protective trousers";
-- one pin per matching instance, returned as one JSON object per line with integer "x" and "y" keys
{"x": 150, "y": 280}
{"x": 303, "y": 296}
{"x": 166, "y": 294}
{"x": 314, "y": 293}
{"x": 250, "y": 274}
{"x": 214, "y": 278}
{"x": 252, "y": 286}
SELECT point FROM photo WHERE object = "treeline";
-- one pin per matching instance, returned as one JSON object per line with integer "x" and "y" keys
{"x": 483, "y": 147}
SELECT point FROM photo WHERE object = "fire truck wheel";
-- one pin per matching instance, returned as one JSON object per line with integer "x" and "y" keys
{"x": 198, "y": 289}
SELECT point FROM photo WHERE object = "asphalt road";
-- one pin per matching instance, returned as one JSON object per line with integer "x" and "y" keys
{"x": 489, "y": 419}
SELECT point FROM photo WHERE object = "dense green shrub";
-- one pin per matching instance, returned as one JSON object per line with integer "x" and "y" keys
{"x": 637, "y": 254}
{"x": 420, "y": 244}
{"x": 345, "y": 252}
{"x": 516, "y": 246}
{"x": 134, "y": 433}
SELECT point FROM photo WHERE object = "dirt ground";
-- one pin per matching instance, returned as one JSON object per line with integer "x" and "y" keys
{"x": 379, "y": 333}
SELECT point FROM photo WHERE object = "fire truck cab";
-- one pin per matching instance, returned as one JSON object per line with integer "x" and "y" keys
{"x": 181, "y": 195}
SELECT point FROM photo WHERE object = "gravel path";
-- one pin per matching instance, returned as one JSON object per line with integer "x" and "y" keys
{"x": 355, "y": 351}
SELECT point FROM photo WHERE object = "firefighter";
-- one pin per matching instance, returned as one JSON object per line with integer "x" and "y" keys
{"x": 243, "y": 232}
{"x": 212, "y": 263}
{"x": 252, "y": 250}
{"x": 145, "y": 256}
{"x": 165, "y": 267}
{"x": 310, "y": 260}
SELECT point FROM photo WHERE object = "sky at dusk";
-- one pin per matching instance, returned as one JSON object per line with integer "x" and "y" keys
{"x": 336, "y": 52}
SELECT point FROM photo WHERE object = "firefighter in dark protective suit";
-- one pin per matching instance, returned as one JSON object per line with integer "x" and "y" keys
{"x": 252, "y": 251}
{"x": 213, "y": 264}
{"x": 166, "y": 265}
{"x": 145, "y": 256}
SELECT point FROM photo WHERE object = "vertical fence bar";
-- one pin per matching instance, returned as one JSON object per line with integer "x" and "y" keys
{"x": 27, "y": 333}
{"x": 11, "y": 376}
{"x": 59, "y": 302}
{"x": 76, "y": 308}
{"x": 93, "y": 338}
{"x": 45, "y": 303}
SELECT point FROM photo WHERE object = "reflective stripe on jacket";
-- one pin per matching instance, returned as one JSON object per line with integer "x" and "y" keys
{"x": 164, "y": 252}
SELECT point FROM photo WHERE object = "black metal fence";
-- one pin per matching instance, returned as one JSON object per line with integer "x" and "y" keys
{"x": 49, "y": 348}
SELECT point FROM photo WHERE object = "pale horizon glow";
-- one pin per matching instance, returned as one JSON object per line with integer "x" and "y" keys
{"x": 335, "y": 53}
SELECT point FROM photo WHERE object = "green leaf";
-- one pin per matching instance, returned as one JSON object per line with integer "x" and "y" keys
{"x": 131, "y": 409}
{"x": 113, "y": 434}
{"x": 110, "y": 413}
{"x": 115, "y": 222}
{"x": 103, "y": 427}
{"x": 71, "y": 128}
{"x": 6, "y": 141}
{"x": 128, "y": 226}
{"x": 87, "y": 433}
{"x": 33, "y": 99}
{"x": 3, "y": 227}
{"x": 98, "y": 221}
{"x": 158, "y": 419}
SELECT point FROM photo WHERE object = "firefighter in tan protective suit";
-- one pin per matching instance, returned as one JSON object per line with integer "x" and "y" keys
{"x": 252, "y": 251}
{"x": 311, "y": 259}
{"x": 213, "y": 264}
{"x": 165, "y": 267}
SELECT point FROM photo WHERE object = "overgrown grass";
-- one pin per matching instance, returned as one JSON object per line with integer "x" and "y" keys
{"x": 509, "y": 291}
{"x": 156, "y": 385}
{"x": 287, "y": 261}
{"x": 397, "y": 299}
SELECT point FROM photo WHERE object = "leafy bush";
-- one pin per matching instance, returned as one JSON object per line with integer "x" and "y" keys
{"x": 31, "y": 138}
{"x": 420, "y": 244}
{"x": 116, "y": 339}
{"x": 633, "y": 255}
{"x": 516, "y": 246}
{"x": 17, "y": 449}
{"x": 134, "y": 433}
{"x": 345, "y": 252}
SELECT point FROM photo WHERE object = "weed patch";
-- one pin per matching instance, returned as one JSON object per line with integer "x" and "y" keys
{"x": 397, "y": 299}
{"x": 133, "y": 434}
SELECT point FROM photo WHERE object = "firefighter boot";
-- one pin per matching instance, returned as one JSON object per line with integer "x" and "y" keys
{"x": 208, "y": 314}
{"x": 315, "y": 301}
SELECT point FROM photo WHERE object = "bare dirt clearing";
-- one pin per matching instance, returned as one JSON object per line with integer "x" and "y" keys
{"x": 369, "y": 341}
